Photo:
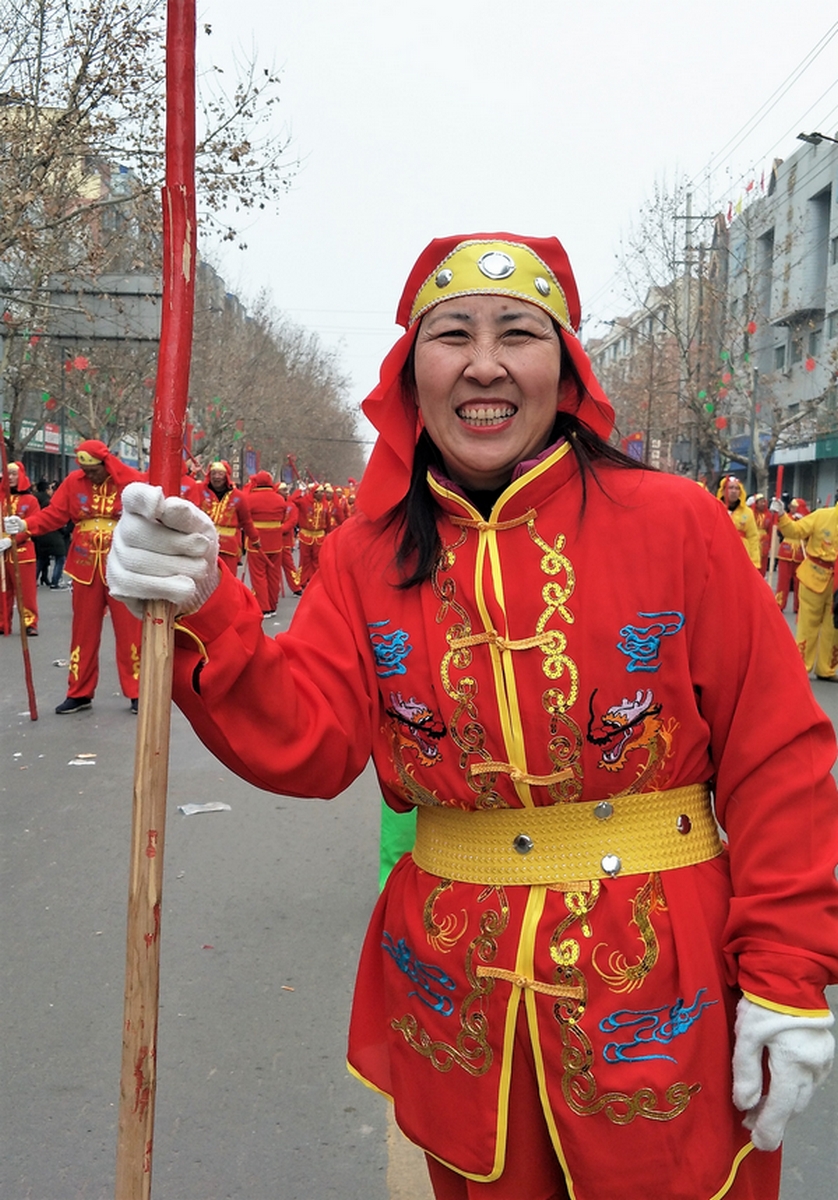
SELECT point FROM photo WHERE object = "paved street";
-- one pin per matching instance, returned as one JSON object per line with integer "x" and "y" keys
{"x": 264, "y": 911}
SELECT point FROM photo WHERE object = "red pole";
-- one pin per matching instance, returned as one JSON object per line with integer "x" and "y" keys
{"x": 142, "y": 960}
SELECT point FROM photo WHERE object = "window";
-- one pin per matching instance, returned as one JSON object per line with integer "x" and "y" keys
{"x": 832, "y": 325}
{"x": 815, "y": 340}
{"x": 779, "y": 358}
{"x": 833, "y": 251}
{"x": 797, "y": 348}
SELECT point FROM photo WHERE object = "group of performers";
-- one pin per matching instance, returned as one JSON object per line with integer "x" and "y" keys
{"x": 261, "y": 520}
{"x": 805, "y": 555}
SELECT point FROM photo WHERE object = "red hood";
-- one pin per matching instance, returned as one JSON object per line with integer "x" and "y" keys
{"x": 387, "y": 476}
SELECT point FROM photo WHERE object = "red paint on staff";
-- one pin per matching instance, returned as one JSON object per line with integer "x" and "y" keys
{"x": 150, "y": 938}
{"x": 142, "y": 1091}
{"x": 151, "y": 848}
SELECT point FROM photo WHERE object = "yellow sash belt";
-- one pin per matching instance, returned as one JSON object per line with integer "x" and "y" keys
{"x": 103, "y": 524}
{"x": 625, "y": 835}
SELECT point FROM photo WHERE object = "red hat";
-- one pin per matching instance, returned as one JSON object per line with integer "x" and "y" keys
{"x": 92, "y": 452}
{"x": 533, "y": 269}
{"x": 261, "y": 479}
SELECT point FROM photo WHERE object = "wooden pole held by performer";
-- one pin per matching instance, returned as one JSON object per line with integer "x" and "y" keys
{"x": 27, "y": 662}
{"x": 775, "y": 537}
{"x": 151, "y": 764}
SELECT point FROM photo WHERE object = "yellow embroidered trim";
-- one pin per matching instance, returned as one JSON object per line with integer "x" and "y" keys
{"x": 785, "y": 1008}
{"x": 183, "y": 629}
{"x": 533, "y": 985}
{"x": 496, "y": 639}
{"x": 517, "y": 775}
{"x": 483, "y": 526}
{"x": 728, "y": 1183}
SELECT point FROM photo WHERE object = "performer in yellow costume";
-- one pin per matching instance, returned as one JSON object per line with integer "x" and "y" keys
{"x": 815, "y": 575}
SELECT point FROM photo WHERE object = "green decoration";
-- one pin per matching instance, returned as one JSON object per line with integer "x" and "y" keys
{"x": 709, "y": 407}
{"x": 702, "y": 395}
{"x": 724, "y": 355}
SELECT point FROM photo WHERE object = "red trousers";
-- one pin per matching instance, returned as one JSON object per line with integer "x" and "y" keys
{"x": 266, "y": 578}
{"x": 90, "y": 600}
{"x": 29, "y": 587}
{"x": 532, "y": 1170}
{"x": 309, "y": 558}
{"x": 292, "y": 575}
{"x": 786, "y": 581}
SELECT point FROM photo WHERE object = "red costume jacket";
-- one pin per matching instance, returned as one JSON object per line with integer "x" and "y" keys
{"x": 94, "y": 509}
{"x": 273, "y": 518}
{"x": 22, "y": 503}
{"x": 515, "y": 679}
{"x": 231, "y": 516}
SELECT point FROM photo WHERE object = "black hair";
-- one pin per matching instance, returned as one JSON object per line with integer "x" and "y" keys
{"x": 417, "y": 513}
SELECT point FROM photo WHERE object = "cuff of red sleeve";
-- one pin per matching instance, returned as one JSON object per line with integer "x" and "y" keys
{"x": 216, "y": 615}
{"x": 788, "y": 983}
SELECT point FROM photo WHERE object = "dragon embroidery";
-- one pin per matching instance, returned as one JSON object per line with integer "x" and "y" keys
{"x": 416, "y": 728}
{"x": 633, "y": 725}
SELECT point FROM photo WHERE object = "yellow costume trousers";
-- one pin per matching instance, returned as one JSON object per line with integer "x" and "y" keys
{"x": 815, "y": 632}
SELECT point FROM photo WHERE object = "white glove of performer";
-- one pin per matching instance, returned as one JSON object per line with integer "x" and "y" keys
{"x": 14, "y": 525}
{"x": 163, "y": 548}
{"x": 4, "y": 544}
{"x": 800, "y": 1052}
{"x": 777, "y": 506}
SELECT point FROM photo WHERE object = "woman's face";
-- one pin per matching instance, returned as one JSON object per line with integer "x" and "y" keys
{"x": 487, "y": 380}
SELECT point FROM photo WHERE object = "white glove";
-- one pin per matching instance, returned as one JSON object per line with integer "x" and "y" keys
{"x": 777, "y": 506}
{"x": 4, "y": 544}
{"x": 14, "y": 525}
{"x": 163, "y": 548}
{"x": 800, "y": 1052}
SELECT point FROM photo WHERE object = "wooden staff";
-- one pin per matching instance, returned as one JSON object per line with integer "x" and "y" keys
{"x": 151, "y": 762}
{"x": 775, "y": 538}
{"x": 21, "y": 612}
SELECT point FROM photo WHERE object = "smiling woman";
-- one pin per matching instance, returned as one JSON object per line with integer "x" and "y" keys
{"x": 570, "y": 980}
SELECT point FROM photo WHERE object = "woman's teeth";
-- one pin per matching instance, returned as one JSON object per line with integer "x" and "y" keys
{"x": 487, "y": 414}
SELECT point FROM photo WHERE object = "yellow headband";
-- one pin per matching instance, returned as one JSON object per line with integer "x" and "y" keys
{"x": 87, "y": 460}
{"x": 499, "y": 268}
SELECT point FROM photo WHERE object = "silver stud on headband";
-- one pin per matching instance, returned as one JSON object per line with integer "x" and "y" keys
{"x": 496, "y": 265}
{"x": 444, "y": 278}
{"x": 542, "y": 286}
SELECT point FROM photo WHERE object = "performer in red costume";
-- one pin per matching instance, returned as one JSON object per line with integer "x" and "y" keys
{"x": 789, "y": 556}
{"x": 90, "y": 498}
{"x": 228, "y": 509}
{"x": 568, "y": 979}
{"x": 20, "y": 501}
{"x": 314, "y": 519}
{"x": 289, "y": 540}
{"x": 273, "y": 518}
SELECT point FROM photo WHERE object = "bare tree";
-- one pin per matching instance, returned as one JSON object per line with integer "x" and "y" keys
{"x": 259, "y": 379}
{"x": 81, "y": 164}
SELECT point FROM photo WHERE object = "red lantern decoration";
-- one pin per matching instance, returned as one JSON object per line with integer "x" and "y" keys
{"x": 51, "y": 404}
{"x": 752, "y": 327}
{"x": 721, "y": 422}
{"x": 810, "y": 364}
{"x": 722, "y": 393}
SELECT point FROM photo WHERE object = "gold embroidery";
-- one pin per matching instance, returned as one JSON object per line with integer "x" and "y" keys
{"x": 472, "y": 1051}
{"x": 75, "y": 655}
{"x": 135, "y": 661}
{"x": 443, "y": 935}
{"x": 621, "y": 975}
{"x": 579, "y": 1086}
{"x": 464, "y": 728}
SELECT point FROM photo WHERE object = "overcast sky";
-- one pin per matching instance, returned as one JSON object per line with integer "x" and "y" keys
{"x": 415, "y": 120}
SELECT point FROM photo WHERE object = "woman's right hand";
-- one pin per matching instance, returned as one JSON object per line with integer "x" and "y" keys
{"x": 163, "y": 548}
